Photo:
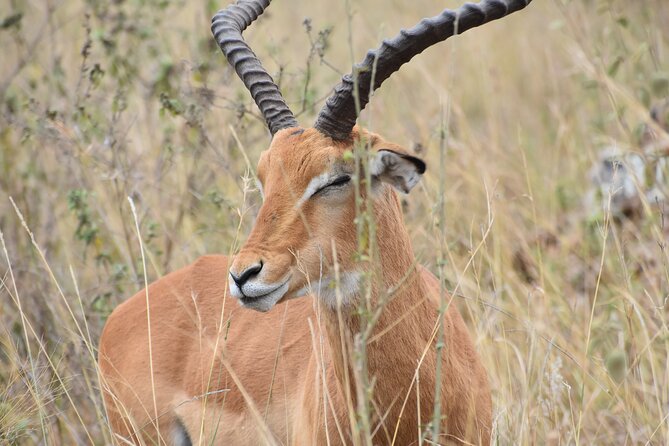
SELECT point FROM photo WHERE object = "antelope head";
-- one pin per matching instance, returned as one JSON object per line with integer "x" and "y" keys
{"x": 306, "y": 175}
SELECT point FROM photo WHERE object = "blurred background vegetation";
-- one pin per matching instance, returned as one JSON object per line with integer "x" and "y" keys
{"x": 104, "y": 100}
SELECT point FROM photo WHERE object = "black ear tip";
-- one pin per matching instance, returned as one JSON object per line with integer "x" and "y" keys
{"x": 419, "y": 163}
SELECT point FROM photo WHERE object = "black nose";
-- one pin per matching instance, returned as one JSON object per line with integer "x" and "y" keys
{"x": 246, "y": 274}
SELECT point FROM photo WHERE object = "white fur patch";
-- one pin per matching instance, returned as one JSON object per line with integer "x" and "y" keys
{"x": 257, "y": 295}
{"x": 180, "y": 436}
{"x": 329, "y": 291}
{"x": 315, "y": 184}
{"x": 260, "y": 189}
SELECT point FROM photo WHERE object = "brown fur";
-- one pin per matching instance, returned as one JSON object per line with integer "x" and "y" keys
{"x": 236, "y": 376}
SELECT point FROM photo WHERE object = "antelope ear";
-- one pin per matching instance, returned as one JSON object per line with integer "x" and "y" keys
{"x": 400, "y": 170}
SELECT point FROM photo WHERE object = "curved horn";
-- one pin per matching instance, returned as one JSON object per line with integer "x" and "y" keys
{"x": 337, "y": 117}
{"x": 227, "y": 26}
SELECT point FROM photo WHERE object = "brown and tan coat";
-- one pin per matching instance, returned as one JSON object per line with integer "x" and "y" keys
{"x": 188, "y": 361}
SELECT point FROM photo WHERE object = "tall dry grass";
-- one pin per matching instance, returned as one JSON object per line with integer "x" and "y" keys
{"x": 101, "y": 101}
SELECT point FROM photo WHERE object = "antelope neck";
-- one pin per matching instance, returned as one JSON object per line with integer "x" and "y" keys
{"x": 398, "y": 345}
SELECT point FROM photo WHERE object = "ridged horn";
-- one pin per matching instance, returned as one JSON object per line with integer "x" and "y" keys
{"x": 227, "y": 26}
{"x": 337, "y": 117}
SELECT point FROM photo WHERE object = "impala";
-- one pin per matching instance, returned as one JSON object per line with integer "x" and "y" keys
{"x": 188, "y": 361}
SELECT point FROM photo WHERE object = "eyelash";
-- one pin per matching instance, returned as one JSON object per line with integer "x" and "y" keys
{"x": 339, "y": 181}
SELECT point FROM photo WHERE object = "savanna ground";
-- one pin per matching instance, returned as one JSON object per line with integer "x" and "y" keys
{"x": 101, "y": 101}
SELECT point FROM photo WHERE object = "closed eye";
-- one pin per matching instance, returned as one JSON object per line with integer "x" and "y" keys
{"x": 334, "y": 184}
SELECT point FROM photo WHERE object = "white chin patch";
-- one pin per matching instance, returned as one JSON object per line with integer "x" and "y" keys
{"x": 333, "y": 293}
{"x": 257, "y": 296}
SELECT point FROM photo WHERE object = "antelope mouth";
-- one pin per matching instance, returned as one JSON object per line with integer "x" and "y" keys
{"x": 263, "y": 302}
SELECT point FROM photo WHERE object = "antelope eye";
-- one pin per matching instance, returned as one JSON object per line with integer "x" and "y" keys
{"x": 337, "y": 183}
